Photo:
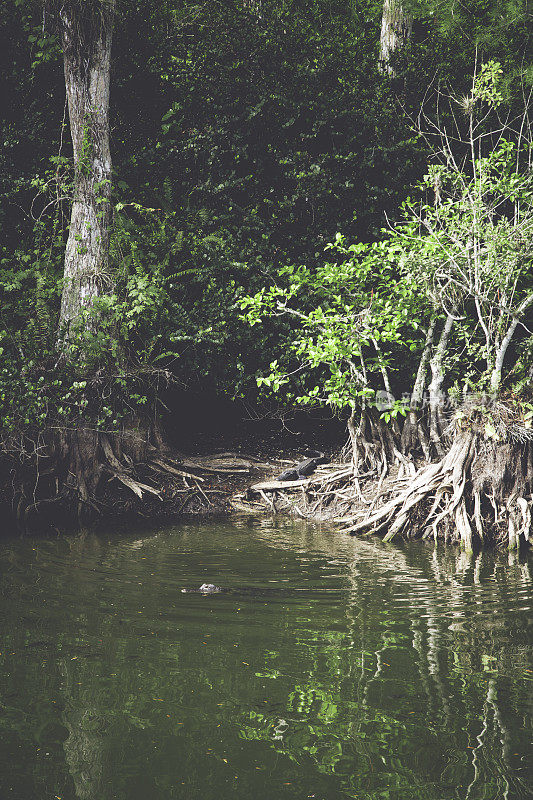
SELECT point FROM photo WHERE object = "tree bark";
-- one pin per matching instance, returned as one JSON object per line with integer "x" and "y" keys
{"x": 435, "y": 387}
{"x": 496, "y": 376}
{"x": 412, "y": 429}
{"x": 86, "y": 35}
{"x": 396, "y": 27}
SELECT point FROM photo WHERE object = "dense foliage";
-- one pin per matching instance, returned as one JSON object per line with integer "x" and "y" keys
{"x": 244, "y": 137}
{"x": 457, "y": 260}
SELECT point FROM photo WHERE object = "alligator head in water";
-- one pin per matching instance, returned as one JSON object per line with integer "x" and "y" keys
{"x": 255, "y": 591}
{"x": 205, "y": 588}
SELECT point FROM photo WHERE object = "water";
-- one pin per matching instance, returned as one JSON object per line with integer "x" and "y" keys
{"x": 398, "y": 672}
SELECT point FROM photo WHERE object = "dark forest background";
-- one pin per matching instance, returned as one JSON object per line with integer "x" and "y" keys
{"x": 244, "y": 137}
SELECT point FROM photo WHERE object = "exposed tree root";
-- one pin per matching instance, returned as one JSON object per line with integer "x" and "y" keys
{"x": 70, "y": 472}
{"x": 479, "y": 492}
{"x": 442, "y": 482}
{"x": 78, "y": 473}
{"x": 65, "y": 475}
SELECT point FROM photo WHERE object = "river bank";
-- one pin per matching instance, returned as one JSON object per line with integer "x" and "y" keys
{"x": 477, "y": 495}
{"x": 196, "y": 472}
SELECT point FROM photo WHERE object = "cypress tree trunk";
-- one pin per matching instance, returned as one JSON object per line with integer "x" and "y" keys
{"x": 86, "y": 34}
{"x": 396, "y": 27}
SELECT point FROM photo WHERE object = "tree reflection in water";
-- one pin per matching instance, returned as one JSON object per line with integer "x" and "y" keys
{"x": 410, "y": 677}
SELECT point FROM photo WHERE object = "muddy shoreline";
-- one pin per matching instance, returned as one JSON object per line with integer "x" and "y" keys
{"x": 171, "y": 484}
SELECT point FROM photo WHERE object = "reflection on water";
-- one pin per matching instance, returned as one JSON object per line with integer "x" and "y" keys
{"x": 398, "y": 672}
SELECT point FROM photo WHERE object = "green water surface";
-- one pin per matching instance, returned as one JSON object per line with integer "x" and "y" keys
{"x": 397, "y": 672}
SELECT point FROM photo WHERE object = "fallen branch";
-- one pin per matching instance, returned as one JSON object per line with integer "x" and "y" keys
{"x": 174, "y": 471}
{"x": 136, "y": 486}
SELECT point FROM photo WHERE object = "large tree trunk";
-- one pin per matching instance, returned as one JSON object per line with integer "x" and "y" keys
{"x": 86, "y": 34}
{"x": 396, "y": 27}
{"x": 71, "y": 468}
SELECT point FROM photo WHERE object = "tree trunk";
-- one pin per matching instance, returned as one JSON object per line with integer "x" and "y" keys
{"x": 435, "y": 387}
{"x": 396, "y": 27}
{"x": 413, "y": 432}
{"x": 86, "y": 34}
{"x": 496, "y": 375}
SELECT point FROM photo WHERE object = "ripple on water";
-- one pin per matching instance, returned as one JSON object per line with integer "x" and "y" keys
{"x": 358, "y": 669}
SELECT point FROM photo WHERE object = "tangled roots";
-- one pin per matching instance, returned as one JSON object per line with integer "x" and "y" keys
{"x": 481, "y": 490}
